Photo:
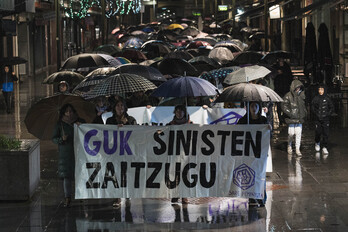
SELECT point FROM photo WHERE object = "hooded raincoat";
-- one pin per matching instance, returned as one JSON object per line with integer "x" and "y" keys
{"x": 293, "y": 104}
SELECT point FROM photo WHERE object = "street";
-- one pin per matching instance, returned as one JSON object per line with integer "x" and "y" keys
{"x": 307, "y": 193}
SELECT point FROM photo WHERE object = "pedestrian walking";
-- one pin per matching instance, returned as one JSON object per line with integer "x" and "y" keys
{"x": 180, "y": 117}
{"x": 7, "y": 80}
{"x": 255, "y": 117}
{"x": 295, "y": 111}
{"x": 63, "y": 135}
{"x": 322, "y": 108}
{"x": 120, "y": 118}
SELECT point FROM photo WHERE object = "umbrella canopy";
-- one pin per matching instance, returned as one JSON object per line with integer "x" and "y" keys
{"x": 109, "y": 49}
{"x": 123, "y": 60}
{"x": 210, "y": 40}
{"x": 119, "y": 84}
{"x": 191, "y": 31}
{"x": 177, "y": 66}
{"x": 93, "y": 78}
{"x": 12, "y": 60}
{"x": 148, "y": 72}
{"x": 219, "y": 73}
{"x": 133, "y": 43}
{"x": 88, "y": 61}
{"x": 181, "y": 54}
{"x": 133, "y": 55}
{"x": 246, "y": 74}
{"x": 197, "y": 44}
{"x": 247, "y": 57}
{"x": 247, "y": 92}
{"x": 201, "y": 51}
{"x": 155, "y": 48}
{"x": 230, "y": 45}
{"x": 42, "y": 117}
{"x": 186, "y": 86}
{"x": 271, "y": 57}
{"x": 175, "y": 26}
{"x": 68, "y": 76}
{"x": 166, "y": 35}
{"x": 221, "y": 54}
{"x": 204, "y": 60}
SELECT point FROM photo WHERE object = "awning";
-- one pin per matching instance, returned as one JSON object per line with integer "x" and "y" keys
{"x": 303, "y": 12}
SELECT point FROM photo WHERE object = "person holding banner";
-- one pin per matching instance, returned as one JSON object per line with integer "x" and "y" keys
{"x": 180, "y": 117}
{"x": 255, "y": 117}
{"x": 120, "y": 118}
{"x": 7, "y": 79}
{"x": 63, "y": 135}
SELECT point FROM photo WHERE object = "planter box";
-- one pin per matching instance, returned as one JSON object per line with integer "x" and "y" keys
{"x": 20, "y": 171}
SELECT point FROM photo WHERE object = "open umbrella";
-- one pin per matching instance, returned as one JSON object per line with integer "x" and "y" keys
{"x": 191, "y": 31}
{"x": 155, "y": 48}
{"x": 134, "y": 55}
{"x": 271, "y": 57}
{"x": 185, "y": 86}
{"x": 88, "y": 61}
{"x": 133, "y": 43}
{"x": 247, "y": 57}
{"x": 119, "y": 84}
{"x": 233, "y": 47}
{"x": 219, "y": 73}
{"x": 247, "y": 92}
{"x": 148, "y": 72}
{"x": 68, "y": 76}
{"x": 42, "y": 117}
{"x": 221, "y": 54}
{"x": 246, "y": 74}
{"x": 180, "y": 54}
{"x": 197, "y": 44}
{"x": 177, "y": 66}
{"x": 12, "y": 60}
{"x": 92, "y": 79}
{"x": 175, "y": 26}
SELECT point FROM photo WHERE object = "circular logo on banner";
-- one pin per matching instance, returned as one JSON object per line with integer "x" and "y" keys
{"x": 244, "y": 177}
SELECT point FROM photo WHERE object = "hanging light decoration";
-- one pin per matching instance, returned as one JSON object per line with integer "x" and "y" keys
{"x": 72, "y": 10}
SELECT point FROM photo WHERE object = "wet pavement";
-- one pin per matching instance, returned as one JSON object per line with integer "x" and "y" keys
{"x": 308, "y": 193}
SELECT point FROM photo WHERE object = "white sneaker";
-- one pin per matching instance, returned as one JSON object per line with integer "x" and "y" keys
{"x": 298, "y": 152}
{"x": 317, "y": 146}
{"x": 289, "y": 150}
{"x": 325, "y": 151}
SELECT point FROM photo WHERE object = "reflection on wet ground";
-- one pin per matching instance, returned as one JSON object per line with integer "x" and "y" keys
{"x": 307, "y": 193}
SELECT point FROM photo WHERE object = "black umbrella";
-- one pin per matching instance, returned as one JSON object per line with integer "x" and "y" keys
{"x": 271, "y": 57}
{"x": 181, "y": 54}
{"x": 120, "y": 84}
{"x": 68, "y": 76}
{"x": 155, "y": 48}
{"x": 109, "y": 49}
{"x": 12, "y": 60}
{"x": 148, "y": 72}
{"x": 247, "y": 92}
{"x": 177, "y": 66}
{"x": 191, "y": 31}
{"x": 88, "y": 61}
{"x": 210, "y": 40}
{"x": 247, "y": 57}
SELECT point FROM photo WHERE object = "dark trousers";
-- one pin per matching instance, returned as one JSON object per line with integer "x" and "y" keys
{"x": 322, "y": 131}
{"x": 280, "y": 114}
{"x": 8, "y": 98}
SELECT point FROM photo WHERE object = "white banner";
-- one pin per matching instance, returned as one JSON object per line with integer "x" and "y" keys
{"x": 162, "y": 115}
{"x": 170, "y": 161}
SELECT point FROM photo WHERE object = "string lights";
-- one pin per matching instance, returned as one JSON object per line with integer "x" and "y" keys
{"x": 78, "y": 9}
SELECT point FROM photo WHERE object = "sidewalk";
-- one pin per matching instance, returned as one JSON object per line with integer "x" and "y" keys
{"x": 307, "y": 193}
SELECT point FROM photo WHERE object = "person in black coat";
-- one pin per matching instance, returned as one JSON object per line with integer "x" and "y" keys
{"x": 7, "y": 80}
{"x": 322, "y": 108}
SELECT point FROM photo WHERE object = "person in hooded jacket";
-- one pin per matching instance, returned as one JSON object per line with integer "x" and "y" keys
{"x": 322, "y": 108}
{"x": 63, "y": 87}
{"x": 295, "y": 111}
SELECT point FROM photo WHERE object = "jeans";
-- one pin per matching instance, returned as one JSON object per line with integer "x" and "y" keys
{"x": 295, "y": 130}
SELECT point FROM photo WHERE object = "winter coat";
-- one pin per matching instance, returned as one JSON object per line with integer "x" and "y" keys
{"x": 130, "y": 120}
{"x": 283, "y": 81}
{"x": 7, "y": 78}
{"x": 293, "y": 104}
{"x": 322, "y": 106}
{"x": 66, "y": 157}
